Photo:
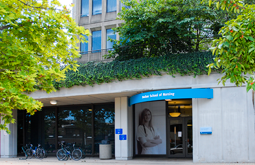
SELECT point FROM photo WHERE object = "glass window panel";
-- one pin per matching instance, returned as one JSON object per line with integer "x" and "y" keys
{"x": 84, "y": 7}
{"x": 104, "y": 126}
{"x": 110, "y": 34}
{"x": 49, "y": 130}
{"x": 85, "y": 46}
{"x": 33, "y": 128}
{"x": 75, "y": 126}
{"x": 111, "y": 5}
{"x": 20, "y": 130}
{"x": 96, "y": 7}
{"x": 96, "y": 41}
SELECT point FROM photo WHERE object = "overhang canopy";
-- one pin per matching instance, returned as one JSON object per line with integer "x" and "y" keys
{"x": 171, "y": 94}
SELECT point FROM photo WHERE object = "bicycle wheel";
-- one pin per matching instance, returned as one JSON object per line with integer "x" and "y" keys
{"x": 76, "y": 154}
{"x": 40, "y": 153}
{"x": 29, "y": 153}
{"x": 83, "y": 153}
{"x": 61, "y": 155}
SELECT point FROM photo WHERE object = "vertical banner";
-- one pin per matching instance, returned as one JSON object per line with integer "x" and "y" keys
{"x": 150, "y": 128}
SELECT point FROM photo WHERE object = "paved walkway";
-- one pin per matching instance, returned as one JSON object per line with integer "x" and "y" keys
{"x": 97, "y": 161}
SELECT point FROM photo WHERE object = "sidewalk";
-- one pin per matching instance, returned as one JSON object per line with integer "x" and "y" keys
{"x": 97, "y": 161}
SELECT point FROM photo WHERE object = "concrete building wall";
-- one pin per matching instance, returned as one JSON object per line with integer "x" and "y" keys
{"x": 8, "y": 145}
{"x": 231, "y": 115}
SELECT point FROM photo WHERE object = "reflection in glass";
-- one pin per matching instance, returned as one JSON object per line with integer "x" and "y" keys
{"x": 96, "y": 7}
{"x": 49, "y": 130}
{"x": 111, "y": 5}
{"x": 176, "y": 137}
{"x": 84, "y": 46}
{"x": 104, "y": 125}
{"x": 96, "y": 41}
{"x": 75, "y": 126}
{"x": 84, "y": 7}
{"x": 110, "y": 34}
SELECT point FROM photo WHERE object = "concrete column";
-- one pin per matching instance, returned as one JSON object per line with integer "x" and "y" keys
{"x": 90, "y": 41}
{"x": 118, "y": 6}
{"x": 90, "y": 10}
{"x": 103, "y": 37}
{"x": 76, "y": 12}
{"x": 9, "y": 142}
{"x": 103, "y": 10}
{"x": 230, "y": 114}
{"x": 123, "y": 120}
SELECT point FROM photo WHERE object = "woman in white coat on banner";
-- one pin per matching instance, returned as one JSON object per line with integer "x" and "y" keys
{"x": 147, "y": 136}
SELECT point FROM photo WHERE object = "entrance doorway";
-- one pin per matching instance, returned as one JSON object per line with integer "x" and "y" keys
{"x": 179, "y": 128}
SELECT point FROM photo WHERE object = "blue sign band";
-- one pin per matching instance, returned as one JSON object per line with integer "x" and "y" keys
{"x": 171, "y": 94}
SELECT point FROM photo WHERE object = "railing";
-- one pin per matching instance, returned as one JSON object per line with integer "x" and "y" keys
{"x": 95, "y": 55}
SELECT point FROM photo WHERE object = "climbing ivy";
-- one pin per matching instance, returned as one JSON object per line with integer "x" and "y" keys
{"x": 97, "y": 73}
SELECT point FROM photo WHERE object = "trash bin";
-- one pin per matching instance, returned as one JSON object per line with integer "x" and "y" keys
{"x": 105, "y": 151}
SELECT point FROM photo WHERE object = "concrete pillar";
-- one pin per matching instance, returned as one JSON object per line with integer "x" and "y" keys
{"x": 123, "y": 120}
{"x": 8, "y": 143}
{"x": 230, "y": 114}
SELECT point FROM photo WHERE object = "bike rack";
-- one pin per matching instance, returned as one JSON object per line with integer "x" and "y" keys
{"x": 25, "y": 154}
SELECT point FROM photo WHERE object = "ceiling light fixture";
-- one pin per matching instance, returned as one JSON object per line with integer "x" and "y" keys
{"x": 53, "y": 102}
{"x": 175, "y": 114}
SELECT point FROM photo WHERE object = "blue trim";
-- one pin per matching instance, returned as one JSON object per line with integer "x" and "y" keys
{"x": 205, "y": 133}
{"x": 171, "y": 94}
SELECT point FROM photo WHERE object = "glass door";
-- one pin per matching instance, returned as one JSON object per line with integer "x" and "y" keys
{"x": 180, "y": 140}
{"x": 176, "y": 138}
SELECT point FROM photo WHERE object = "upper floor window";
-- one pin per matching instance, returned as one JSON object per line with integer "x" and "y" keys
{"x": 84, "y": 46}
{"x": 96, "y": 7}
{"x": 84, "y": 8}
{"x": 96, "y": 41}
{"x": 110, "y": 34}
{"x": 111, "y": 5}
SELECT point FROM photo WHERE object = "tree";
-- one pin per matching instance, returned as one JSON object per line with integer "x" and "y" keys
{"x": 38, "y": 43}
{"x": 235, "y": 50}
{"x": 159, "y": 27}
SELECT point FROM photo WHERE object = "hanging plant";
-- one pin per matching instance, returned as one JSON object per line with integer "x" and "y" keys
{"x": 97, "y": 73}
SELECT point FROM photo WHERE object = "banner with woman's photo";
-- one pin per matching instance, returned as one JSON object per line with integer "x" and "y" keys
{"x": 150, "y": 128}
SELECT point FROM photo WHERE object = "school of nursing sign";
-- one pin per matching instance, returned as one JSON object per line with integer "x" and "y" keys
{"x": 171, "y": 94}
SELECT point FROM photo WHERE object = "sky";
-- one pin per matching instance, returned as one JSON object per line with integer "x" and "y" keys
{"x": 66, "y": 2}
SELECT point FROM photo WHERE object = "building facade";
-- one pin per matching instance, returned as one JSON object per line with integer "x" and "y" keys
{"x": 187, "y": 117}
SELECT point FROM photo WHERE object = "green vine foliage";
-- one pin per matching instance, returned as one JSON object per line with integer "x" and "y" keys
{"x": 97, "y": 73}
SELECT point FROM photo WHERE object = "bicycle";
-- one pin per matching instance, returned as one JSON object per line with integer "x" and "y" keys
{"x": 38, "y": 152}
{"x": 65, "y": 152}
{"x": 77, "y": 153}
